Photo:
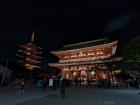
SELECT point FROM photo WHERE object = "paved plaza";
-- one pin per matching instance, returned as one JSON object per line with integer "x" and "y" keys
{"x": 74, "y": 96}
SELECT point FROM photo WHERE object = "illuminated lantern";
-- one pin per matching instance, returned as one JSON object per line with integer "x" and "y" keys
{"x": 92, "y": 73}
{"x": 74, "y": 73}
{"x": 104, "y": 76}
{"x": 83, "y": 73}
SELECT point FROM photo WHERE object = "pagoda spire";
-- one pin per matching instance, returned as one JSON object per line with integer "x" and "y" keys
{"x": 33, "y": 35}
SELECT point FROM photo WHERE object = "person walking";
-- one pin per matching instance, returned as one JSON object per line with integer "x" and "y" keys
{"x": 62, "y": 87}
{"x": 22, "y": 85}
{"x": 40, "y": 83}
{"x": 44, "y": 84}
{"x": 51, "y": 83}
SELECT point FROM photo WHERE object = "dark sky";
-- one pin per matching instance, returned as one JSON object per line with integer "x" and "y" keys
{"x": 57, "y": 22}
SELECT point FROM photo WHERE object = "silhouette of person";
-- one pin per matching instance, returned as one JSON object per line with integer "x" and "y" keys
{"x": 22, "y": 85}
{"x": 63, "y": 87}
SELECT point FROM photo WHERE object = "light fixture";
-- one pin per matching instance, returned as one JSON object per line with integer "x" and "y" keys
{"x": 92, "y": 73}
{"x": 74, "y": 73}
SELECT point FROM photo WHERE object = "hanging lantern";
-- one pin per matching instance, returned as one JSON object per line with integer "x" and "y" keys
{"x": 74, "y": 73}
{"x": 92, "y": 73}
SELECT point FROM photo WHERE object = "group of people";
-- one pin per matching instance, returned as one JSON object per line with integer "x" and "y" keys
{"x": 43, "y": 83}
{"x": 62, "y": 83}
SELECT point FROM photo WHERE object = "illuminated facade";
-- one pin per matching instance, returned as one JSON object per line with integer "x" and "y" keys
{"x": 87, "y": 61}
{"x": 30, "y": 55}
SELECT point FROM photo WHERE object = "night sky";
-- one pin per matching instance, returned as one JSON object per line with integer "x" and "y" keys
{"x": 57, "y": 22}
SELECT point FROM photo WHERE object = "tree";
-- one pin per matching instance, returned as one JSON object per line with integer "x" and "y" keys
{"x": 131, "y": 56}
{"x": 123, "y": 75}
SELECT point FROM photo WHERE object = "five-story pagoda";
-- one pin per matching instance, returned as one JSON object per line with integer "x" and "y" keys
{"x": 29, "y": 55}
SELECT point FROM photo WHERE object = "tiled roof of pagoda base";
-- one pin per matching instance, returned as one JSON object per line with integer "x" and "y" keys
{"x": 89, "y": 62}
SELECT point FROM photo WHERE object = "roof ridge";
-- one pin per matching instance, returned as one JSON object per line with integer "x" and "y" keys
{"x": 97, "y": 40}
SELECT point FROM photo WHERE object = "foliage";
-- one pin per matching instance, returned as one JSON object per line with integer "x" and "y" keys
{"x": 131, "y": 55}
{"x": 123, "y": 75}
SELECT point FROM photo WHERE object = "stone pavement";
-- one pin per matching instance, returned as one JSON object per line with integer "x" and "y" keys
{"x": 13, "y": 96}
{"x": 90, "y": 96}
{"x": 74, "y": 96}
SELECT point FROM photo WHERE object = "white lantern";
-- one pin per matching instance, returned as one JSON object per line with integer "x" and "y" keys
{"x": 92, "y": 73}
{"x": 74, "y": 73}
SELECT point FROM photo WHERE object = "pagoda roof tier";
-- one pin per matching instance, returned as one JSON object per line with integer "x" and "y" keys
{"x": 84, "y": 46}
{"x": 86, "y": 62}
{"x": 30, "y": 67}
{"x": 29, "y": 55}
{"x": 33, "y": 56}
{"x": 29, "y": 49}
{"x": 33, "y": 51}
{"x": 29, "y": 62}
{"x": 30, "y": 45}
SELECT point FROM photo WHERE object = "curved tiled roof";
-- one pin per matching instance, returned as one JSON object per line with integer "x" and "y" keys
{"x": 89, "y": 62}
{"x": 83, "y": 47}
{"x": 85, "y": 44}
